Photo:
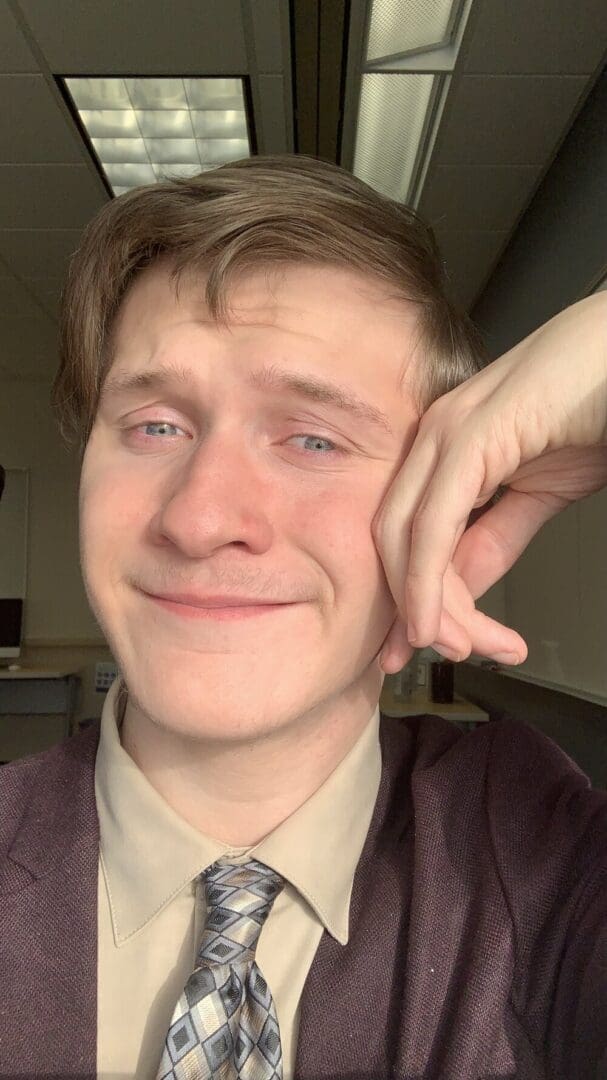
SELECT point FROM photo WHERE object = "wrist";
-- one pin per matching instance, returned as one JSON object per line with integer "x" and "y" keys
{"x": 590, "y": 328}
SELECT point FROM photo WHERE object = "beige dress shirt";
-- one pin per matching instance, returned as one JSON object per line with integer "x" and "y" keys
{"x": 151, "y": 914}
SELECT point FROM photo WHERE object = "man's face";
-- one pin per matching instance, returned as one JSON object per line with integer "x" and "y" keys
{"x": 214, "y": 484}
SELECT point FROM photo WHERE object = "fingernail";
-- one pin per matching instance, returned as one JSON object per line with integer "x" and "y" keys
{"x": 449, "y": 654}
{"x": 507, "y": 657}
{"x": 411, "y": 635}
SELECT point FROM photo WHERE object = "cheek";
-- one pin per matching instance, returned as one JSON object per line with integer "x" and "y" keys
{"x": 336, "y": 534}
{"x": 335, "y": 529}
{"x": 109, "y": 509}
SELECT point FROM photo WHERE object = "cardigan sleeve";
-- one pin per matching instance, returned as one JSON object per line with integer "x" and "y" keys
{"x": 577, "y": 1044}
{"x": 549, "y": 836}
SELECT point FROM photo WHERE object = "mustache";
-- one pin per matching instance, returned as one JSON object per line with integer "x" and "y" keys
{"x": 278, "y": 587}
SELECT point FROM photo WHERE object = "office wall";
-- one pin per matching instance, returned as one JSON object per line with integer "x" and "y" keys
{"x": 559, "y": 251}
{"x": 556, "y": 594}
{"x": 59, "y": 627}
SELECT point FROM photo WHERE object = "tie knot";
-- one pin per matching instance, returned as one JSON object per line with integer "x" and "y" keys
{"x": 239, "y": 900}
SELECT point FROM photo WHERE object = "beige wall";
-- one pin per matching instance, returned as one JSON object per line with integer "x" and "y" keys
{"x": 59, "y": 628}
{"x": 555, "y": 597}
{"x": 557, "y": 592}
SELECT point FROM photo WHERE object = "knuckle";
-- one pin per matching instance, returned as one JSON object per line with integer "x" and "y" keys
{"x": 425, "y": 516}
{"x": 422, "y": 573}
{"x": 385, "y": 524}
{"x": 441, "y": 417}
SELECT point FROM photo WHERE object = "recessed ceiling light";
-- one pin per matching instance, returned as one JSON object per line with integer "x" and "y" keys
{"x": 146, "y": 130}
{"x": 409, "y": 50}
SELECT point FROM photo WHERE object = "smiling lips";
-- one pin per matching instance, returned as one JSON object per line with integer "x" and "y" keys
{"x": 214, "y": 601}
{"x": 192, "y": 606}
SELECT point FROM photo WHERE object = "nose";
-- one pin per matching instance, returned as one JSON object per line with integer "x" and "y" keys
{"x": 218, "y": 498}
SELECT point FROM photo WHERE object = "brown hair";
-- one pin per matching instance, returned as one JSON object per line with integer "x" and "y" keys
{"x": 257, "y": 212}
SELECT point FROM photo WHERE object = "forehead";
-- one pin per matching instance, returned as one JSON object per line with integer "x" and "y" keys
{"x": 333, "y": 305}
{"x": 330, "y": 336}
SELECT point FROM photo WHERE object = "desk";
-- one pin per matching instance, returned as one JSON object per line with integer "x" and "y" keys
{"x": 459, "y": 711}
{"x": 37, "y": 691}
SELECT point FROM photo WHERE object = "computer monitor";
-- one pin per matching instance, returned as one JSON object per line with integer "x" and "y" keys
{"x": 11, "y": 623}
{"x": 14, "y": 516}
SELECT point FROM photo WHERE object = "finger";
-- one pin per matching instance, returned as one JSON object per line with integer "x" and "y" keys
{"x": 392, "y": 525}
{"x": 437, "y": 526}
{"x": 487, "y": 636}
{"x": 396, "y": 650}
{"x": 475, "y": 633}
{"x": 490, "y": 547}
{"x": 494, "y": 641}
{"x": 455, "y": 643}
{"x": 464, "y": 630}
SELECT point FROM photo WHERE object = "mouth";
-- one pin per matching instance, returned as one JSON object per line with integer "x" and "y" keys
{"x": 222, "y": 613}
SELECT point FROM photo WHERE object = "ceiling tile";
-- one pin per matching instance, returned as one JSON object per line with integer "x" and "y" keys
{"x": 31, "y": 253}
{"x": 267, "y": 34}
{"x": 483, "y": 199}
{"x": 14, "y": 51}
{"x": 539, "y": 37}
{"x": 146, "y": 37}
{"x": 469, "y": 258}
{"x": 48, "y": 196}
{"x": 15, "y": 300}
{"x": 273, "y": 115}
{"x": 28, "y": 347}
{"x": 484, "y": 119}
{"x": 43, "y": 133}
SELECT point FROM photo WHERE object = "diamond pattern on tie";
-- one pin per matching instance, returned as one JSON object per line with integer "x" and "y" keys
{"x": 224, "y": 1026}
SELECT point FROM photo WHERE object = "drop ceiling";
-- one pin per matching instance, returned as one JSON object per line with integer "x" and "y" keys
{"x": 522, "y": 74}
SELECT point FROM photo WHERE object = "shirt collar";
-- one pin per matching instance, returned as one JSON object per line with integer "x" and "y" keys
{"x": 149, "y": 853}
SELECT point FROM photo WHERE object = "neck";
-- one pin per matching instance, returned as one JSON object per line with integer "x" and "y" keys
{"x": 239, "y": 792}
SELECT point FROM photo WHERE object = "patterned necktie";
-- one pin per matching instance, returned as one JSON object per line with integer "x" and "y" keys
{"x": 224, "y": 1026}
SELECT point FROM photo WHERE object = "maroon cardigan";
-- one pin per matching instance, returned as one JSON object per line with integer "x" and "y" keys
{"x": 478, "y": 922}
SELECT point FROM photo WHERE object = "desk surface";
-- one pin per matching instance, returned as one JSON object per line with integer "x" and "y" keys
{"x": 38, "y": 672}
{"x": 418, "y": 702}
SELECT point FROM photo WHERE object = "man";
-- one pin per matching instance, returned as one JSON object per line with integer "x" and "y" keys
{"x": 244, "y": 871}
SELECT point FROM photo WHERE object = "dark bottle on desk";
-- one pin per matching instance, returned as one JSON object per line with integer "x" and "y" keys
{"x": 441, "y": 681}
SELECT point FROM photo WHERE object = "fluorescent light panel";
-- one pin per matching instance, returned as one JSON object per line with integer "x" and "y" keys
{"x": 398, "y": 27}
{"x": 394, "y": 105}
{"x": 147, "y": 130}
{"x": 391, "y": 118}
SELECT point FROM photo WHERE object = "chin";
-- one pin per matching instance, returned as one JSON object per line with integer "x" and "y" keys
{"x": 225, "y": 709}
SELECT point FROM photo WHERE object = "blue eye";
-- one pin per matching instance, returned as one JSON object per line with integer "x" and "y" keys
{"x": 317, "y": 439}
{"x": 320, "y": 447}
{"x": 160, "y": 423}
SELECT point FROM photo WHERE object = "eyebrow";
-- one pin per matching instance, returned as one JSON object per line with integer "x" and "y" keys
{"x": 267, "y": 377}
